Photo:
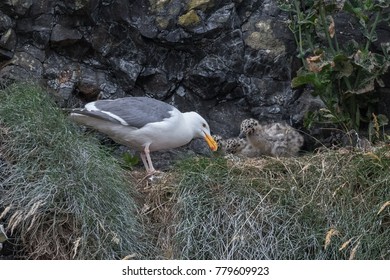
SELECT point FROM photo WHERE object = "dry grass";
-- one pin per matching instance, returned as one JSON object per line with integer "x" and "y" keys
{"x": 330, "y": 205}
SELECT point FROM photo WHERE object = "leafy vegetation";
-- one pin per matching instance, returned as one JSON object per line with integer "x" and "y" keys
{"x": 129, "y": 160}
{"x": 344, "y": 75}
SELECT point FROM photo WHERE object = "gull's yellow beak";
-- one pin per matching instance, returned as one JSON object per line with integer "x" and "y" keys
{"x": 211, "y": 142}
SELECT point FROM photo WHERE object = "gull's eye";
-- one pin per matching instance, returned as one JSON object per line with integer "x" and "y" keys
{"x": 204, "y": 125}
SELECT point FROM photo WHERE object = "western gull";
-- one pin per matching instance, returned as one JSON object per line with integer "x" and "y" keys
{"x": 145, "y": 124}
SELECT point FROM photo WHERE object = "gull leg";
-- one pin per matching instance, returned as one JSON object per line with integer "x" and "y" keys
{"x": 151, "y": 169}
{"x": 147, "y": 163}
{"x": 143, "y": 157}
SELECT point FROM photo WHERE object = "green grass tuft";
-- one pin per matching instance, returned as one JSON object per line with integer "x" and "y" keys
{"x": 62, "y": 195}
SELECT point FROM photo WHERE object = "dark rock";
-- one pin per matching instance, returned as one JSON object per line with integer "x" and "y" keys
{"x": 25, "y": 25}
{"x": 40, "y": 7}
{"x": 7, "y": 37}
{"x": 5, "y": 22}
{"x": 41, "y": 39}
{"x": 72, "y": 80}
{"x": 303, "y": 102}
{"x": 219, "y": 20}
{"x": 28, "y": 62}
{"x": 155, "y": 83}
{"x": 23, "y": 67}
{"x": 101, "y": 40}
{"x": 35, "y": 52}
{"x": 129, "y": 69}
{"x": 12, "y": 73}
{"x": 226, "y": 117}
{"x": 64, "y": 36}
{"x": 16, "y": 7}
{"x": 45, "y": 23}
{"x": 5, "y": 54}
{"x": 7, "y": 44}
{"x": 89, "y": 81}
{"x": 208, "y": 78}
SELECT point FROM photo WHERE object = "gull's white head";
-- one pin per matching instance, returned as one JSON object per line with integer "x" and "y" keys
{"x": 201, "y": 129}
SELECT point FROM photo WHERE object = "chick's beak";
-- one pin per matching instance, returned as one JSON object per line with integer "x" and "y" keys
{"x": 211, "y": 142}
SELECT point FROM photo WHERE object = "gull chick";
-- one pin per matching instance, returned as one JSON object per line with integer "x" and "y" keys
{"x": 275, "y": 139}
{"x": 231, "y": 145}
{"x": 256, "y": 135}
{"x": 284, "y": 139}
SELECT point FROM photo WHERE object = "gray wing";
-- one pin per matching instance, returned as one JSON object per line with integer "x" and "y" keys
{"x": 131, "y": 111}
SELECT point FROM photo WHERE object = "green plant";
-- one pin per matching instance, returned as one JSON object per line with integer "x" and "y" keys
{"x": 129, "y": 160}
{"x": 344, "y": 75}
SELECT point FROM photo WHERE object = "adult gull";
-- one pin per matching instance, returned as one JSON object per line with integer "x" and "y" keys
{"x": 145, "y": 124}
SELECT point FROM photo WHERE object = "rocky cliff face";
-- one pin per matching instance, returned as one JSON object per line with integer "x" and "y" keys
{"x": 227, "y": 60}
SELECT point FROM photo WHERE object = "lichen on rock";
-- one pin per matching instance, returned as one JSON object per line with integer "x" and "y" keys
{"x": 200, "y": 4}
{"x": 188, "y": 19}
{"x": 263, "y": 39}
